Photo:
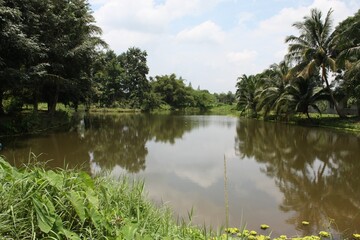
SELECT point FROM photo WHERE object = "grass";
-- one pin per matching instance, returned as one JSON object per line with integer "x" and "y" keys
{"x": 225, "y": 109}
{"x": 68, "y": 204}
{"x": 349, "y": 124}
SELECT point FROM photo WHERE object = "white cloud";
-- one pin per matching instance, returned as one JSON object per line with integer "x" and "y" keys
{"x": 122, "y": 39}
{"x": 206, "y": 32}
{"x": 243, "y": 56}
{"x": 211, "y": 54}
{"x": 132, "y": 15}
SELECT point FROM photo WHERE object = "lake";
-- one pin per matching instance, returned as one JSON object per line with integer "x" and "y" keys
{"x": 275, "y": 174}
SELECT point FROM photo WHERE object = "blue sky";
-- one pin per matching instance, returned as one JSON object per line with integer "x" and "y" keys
{"x": 208, "y": 42}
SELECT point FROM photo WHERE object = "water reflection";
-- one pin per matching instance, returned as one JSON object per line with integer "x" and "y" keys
{"x": 316, "y": 170}
{"x": 106, "y": 141}
{"x": 287, "y": 174}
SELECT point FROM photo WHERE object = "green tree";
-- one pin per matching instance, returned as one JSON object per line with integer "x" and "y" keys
{"x": 135, "y": 83}
{"x": 225, "y": 98}
{"x": 347, "y": 47}
{"x": 246, "y": 93}
{"x": 173, "y": 91}
{"x": 17, "y": 47}
{"x": 276, "y": 78}
{"x": 300, "y": 95}
{"x": 203, "y": 99}
{"x": 47, "y": 50}
{"x": 110, "y": 80}
{"x": 311, "y": 49}
{"x": 72, "y": 38}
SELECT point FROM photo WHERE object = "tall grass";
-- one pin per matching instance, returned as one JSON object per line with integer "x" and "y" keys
{"x": 65, "y": 204}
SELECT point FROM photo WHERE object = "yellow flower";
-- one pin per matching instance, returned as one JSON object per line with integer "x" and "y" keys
{"x": 254, "y": 233}
{"x": 232, "y": 230}
{"x": 305, "y": 223}
{"x": 283, "y": 237}
{"x": 324, "y": 234}
{"x": 246, "y": 233}
{"x": 264, "y": 226}
{"x": 356, "y": 235}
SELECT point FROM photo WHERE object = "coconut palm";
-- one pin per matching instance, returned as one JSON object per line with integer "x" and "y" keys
{"x": 311, "y": 50}
{"x": 246, "y": 93}
{"x": 300, "y": 95}
{"x": 275, "y": 80}
{"x": 347, "y": 46}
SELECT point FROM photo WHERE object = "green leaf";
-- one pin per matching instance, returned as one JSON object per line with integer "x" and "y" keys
{"x": 70, "y": 235}
{"x": 95, "y": 217}
{"x": 92, "y": 198}
{"x": 77, "y": 201}
{"x": 86, "y": 179}
{"x": 54, "y": 179}
{"x": 44, "y": 213}
{"x": 129, "y": 231}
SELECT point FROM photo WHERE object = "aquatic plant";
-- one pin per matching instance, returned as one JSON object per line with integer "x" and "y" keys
{"x": 264, "y": 226}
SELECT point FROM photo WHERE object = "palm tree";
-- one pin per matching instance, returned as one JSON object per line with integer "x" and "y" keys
{"x": 275, "y": 80}
{"x": 347, "y": 45}
{"x": 311, "y": 50}
{"x": 246, "y": 93}
{"x": 300, "y": 95}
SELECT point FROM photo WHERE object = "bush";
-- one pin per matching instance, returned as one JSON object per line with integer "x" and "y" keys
{"x": 13, "y": 105}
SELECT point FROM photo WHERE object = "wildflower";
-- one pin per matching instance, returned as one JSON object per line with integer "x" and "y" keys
{"x": 254, "y": 233}
{"x": 232, "y": 230}
{"x": 264, "y": 226}
{"x": 283, "y": 237}
{"x": 324, "y": 234}
{"x": 305, "y": 223}
{"x": 246, "y": 233}
{"x": 356, "y": 235}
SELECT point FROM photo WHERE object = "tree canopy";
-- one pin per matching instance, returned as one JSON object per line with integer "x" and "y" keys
{"x": 302, "y": 80}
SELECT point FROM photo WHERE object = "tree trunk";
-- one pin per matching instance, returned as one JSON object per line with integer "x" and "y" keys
{"x": 358, "y": 108}
{"x": 36, "y": 101}
{"x": 53, "y": 101}
{"x": 324, "y": 79}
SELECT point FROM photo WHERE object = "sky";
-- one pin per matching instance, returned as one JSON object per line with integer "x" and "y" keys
{"x": 209, "y": 43}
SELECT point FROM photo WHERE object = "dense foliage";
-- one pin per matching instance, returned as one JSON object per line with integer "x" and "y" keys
{"x": 51, "y": 51}
{"x": 47, "y": 52}
{"x": 301, "y": 83}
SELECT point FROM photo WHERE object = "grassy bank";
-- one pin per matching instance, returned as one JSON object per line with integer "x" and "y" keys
{"x": 225, "y": 110}
{"x": 68, "y": 204}
{"x": 350, "y": 124}
{"x": 64, "y": 204}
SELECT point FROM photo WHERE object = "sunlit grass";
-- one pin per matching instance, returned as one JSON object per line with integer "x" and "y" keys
{"x": 66, "y": 204}
{"x": 225, "y": 109}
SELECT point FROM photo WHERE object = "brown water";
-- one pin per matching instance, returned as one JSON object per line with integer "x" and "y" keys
{"x": 276, "y": 174}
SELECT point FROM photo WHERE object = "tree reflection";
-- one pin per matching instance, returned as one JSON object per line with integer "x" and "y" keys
{"x": 106, "y": 141}
{"x": 316, "y": 170}
{"x": 121, "y": 140}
